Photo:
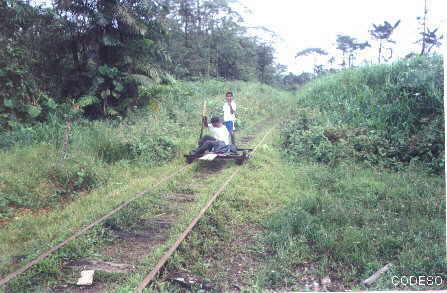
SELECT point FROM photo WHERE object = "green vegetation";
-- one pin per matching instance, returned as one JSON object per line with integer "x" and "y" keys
{"x": 367, "y": 144}
{"x": 100, "y": 99}
{"x": 349, "y": 221}
{"x": 382, "y": 114}
{"x": 227, "y": 249}
{"x": 102, "y": 170}
{"x": 35, "y": 174}
{"x": 104, "y": 58}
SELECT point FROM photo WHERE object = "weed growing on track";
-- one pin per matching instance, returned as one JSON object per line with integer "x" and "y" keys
{"x": 226, "y": 249}
{"x": 347, "y": 204}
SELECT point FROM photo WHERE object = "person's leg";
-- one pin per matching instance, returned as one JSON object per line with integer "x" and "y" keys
{"x": 205, "y": 139}
{"x": 230, "y": 127}
{"x": 227, "y": 125}
{"x": 233, "y": 140}
{"x": 206, "y": 146}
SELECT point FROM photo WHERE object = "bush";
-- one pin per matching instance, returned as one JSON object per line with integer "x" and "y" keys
{"x": 21, "y": 99}
{"x": 382, "y": 114}
{"x": 48, "y": 132}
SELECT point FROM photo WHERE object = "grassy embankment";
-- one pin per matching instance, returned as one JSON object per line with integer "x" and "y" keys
{"x": 369, "y": 146}
{"x": 363, "y": 187}
{"x": 47, "y": 198}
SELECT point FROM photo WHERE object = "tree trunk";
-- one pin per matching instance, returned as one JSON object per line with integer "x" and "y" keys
{"x": 380, "y": 49}
{"x": 199, "y": 18}
{"x": 217, "y": 62}
{"x": 424, "y": 25}
{"x": 75, "y": 55}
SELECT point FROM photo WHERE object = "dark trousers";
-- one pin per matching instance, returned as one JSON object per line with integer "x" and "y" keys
{"x": 208, "y": 143}
{"x": 206, "y": 146}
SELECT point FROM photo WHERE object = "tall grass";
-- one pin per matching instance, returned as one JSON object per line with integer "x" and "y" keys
{"x": 395, "y": 98}
{"x": 369, "y": 146}
{"x": 349, "y": 221}
{"x": 385, "y": 113}
{"x": 118, "y": 176}
{"x": 34, "y": 174}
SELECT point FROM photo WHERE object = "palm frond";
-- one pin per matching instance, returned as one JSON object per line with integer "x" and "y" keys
{"x": 142, "y": 80}
{"x": 126, "y": 17}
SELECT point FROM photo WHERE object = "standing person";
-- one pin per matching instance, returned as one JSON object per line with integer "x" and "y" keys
{"x": 229, "y": 109}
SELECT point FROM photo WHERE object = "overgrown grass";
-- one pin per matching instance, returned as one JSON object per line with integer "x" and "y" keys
{"x": 34, "y": 173}
{"x": 350, "y": 221}
{"x": 368, "y": 145}
{"x": 121, "y": 158}
{"x": 33, "y": 176}
{"x": 226, "y": 248}
{"x": 382, "y": 113}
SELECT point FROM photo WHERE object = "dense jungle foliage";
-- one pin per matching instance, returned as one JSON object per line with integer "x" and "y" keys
{"x": 103, "y": 58}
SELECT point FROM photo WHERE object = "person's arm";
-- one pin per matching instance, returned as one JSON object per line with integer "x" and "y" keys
{"x": 231, "y": 108}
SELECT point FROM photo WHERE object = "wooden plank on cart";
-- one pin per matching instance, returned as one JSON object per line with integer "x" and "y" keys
{"x": 208, "y": 157}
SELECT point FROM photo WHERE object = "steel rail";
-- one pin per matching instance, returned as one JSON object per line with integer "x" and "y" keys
{"x": 185, "y": 233}
{"x": 74, "y": 236}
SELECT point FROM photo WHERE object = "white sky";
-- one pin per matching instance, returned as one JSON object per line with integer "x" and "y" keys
{"x": 315, "y": 23}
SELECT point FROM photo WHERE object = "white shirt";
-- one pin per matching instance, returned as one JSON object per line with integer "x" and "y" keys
{"x": 220, "y": 133}
{"x": 227, "y": 111}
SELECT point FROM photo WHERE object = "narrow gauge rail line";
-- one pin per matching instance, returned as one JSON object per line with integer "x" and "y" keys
{"x": 185, "y": 233}
{"x": 74, "y": 236}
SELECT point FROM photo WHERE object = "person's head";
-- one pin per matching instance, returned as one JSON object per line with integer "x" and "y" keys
{"x": 229, "y": 96}
{"x": 216, "y": 121}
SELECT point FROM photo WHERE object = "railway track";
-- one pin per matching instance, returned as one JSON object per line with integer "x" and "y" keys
{"x": 76, "y": 235}
{"x": 152, "y": 274}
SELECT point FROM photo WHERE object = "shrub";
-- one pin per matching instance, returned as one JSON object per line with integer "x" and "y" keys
{"x": 21, "y": 99}
{"x": 381, "y": 114}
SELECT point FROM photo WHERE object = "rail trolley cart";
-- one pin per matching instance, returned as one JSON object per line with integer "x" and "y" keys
{"x": 239, "y": 157}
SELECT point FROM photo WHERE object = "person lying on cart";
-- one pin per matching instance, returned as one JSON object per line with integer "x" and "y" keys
{"x": 218, "y": 143}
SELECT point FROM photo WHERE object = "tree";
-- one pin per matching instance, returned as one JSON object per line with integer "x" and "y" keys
{"x": 313, "y": 52}
{"x": 429, "y": 38}
{"x": 292, "y": 81}
{"x": 309, "y": 51}
{"x": 107, "y": 56}
{"x": 265, "y": 57}
{"x": 424, "y": 27}
{"x": 122, "y": 35}
{"x": 349, "y": 45}
{"x": 26, "y": 69}
{"x": 382, "y": 33}
{"x": 218, "y": 45}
